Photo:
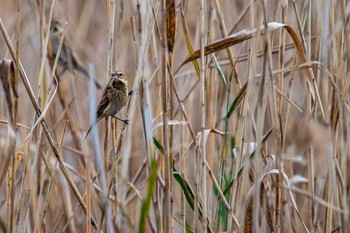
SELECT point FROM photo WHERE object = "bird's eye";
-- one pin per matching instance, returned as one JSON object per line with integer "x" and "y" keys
{"x": 54, "y": 27}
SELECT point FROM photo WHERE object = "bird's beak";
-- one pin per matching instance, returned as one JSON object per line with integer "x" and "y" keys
{"x": 115, "y": 75}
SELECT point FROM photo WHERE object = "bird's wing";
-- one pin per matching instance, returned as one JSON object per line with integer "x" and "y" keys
{"x": 105, "y": 101}
{"x": 68, "y": 56}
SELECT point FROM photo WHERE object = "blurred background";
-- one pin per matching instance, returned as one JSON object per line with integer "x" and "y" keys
{"x": 269, "y": 110}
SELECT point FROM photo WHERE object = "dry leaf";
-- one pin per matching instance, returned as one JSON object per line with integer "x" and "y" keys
{"x": 188, "y": 42}
{"x": 244, "y": 35}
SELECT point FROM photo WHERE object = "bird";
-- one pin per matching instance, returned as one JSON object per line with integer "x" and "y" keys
{"x": 66, "y": 60}
{"x": 114, "y": 98}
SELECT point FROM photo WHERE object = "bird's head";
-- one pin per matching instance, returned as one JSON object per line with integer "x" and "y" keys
{"x": 56, "y": 26}
{"x": 119, "y": 77}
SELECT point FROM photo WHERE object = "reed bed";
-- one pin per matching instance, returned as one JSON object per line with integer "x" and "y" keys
{"x": 238, "y": 120}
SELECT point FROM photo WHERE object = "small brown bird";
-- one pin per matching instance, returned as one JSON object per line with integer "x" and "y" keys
{"x": 114, "y": 98}
{"x": 66, "y": 60}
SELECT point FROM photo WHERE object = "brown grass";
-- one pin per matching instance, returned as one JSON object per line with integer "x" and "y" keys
{"x": 238, "y": 122}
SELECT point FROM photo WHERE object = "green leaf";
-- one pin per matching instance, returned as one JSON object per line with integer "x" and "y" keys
{"x": 187, "y": 226}
{"x": 158, "y": 145}
{"x": 189, "y": 195}
{"x": 146, "y": 203}
{"x": 232, "y": 145}
{"x": 240, "y": 170}
{"x": 185, "y": 188}
{"x": 218, "y": 68}
{"x": 237, "y": 100}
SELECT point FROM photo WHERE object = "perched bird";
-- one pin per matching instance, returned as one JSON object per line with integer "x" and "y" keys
{"x": 114, "y": 98}
{"x": 66, "y": 60}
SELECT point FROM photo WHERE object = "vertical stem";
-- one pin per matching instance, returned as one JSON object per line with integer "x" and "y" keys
{"x": 224, "y": 35}
{"x": 111, "y": 14}
{"x": 182, "y": 172}
{"x": 99, "y": 162}
{"x": 167, "y": 215}
{"x": 170, "y": 42}
{"x": 88, "y": 196}
{"x": 12, "y": 126}
{"x": 110, "y": 20}
{"x": 324, "y": 50}
{"x": 196, "y": 195}
{"x": 279, "y": 192}
{"x": 203, "y": 124}
{"x": 44, "y": 125}
{"x": 18, "y": 39}
{"x": 310, "y": 157}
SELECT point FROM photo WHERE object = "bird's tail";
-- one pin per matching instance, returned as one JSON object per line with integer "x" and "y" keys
{"x": 90, "y": 128}
{"x": 86, "y": 74}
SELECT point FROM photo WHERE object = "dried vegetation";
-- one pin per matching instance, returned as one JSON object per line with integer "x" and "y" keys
{"x": 238, "y": 122}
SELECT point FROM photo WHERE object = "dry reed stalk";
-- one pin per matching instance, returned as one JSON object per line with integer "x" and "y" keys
{"x": 211, "y": 144}
{"x": 169, "y": 39}
{"x": 274, "y": 94}
{"x": 188, "y": 41}
{"x": 224, "y": 35}
{"x": 46, "y": 202}
{"x": 12, "y": 132}
{"x": 244, "y": 57}
{"x": 64, "y": 99}
{"x": 234, "y": 196}
{"x": 240, "y": 17}
{"x": 106, "y": 213}
{"x": 111, "y": 5}
{"x": 182, "y": 172}
{"x": 43, "y": 122}
{"x": 7, "y": 76}
{"x": 166, "y": 221}
{"x": 280, "y": 83}
{"x": 202, "y": 189}
{"x": 88, "y": 197}
{"x": 310, "y": 157}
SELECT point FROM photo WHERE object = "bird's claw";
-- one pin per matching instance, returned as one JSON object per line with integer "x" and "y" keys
{"x": 131, "y": 92}
{"x": 126, "y": 121}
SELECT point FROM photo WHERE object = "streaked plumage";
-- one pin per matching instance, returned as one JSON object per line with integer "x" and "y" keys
{"x": 114, "y": 98}
{"x": 66, "y": 60}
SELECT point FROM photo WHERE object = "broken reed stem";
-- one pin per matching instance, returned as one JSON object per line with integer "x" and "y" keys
{"x": 43, "y": 122}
